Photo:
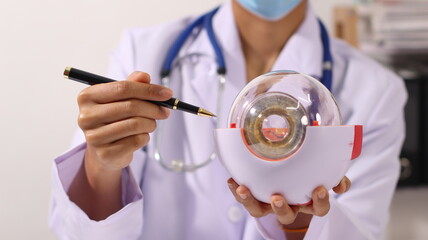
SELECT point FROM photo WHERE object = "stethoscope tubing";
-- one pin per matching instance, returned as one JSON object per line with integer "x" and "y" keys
{"x": 205, "y": 21}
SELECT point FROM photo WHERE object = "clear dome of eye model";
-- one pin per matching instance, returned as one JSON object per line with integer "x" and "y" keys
{"x": 274, "y": 110}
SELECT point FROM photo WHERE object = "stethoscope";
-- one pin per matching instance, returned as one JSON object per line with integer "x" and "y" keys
{"x": 205, "y": 21}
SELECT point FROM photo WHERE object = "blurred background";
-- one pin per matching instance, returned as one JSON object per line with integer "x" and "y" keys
{"x": 38, "y": 109}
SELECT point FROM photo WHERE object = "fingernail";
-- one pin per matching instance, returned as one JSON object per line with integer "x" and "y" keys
{"x": 166, "y": 92}
{"x": 321, "y": 194}
{"x": 230, "y": 185}
{"x": 243, "y": 195}
{"x": 278, "y": 204}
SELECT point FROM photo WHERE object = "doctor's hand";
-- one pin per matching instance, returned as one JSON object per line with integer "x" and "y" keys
{"x": 289, "y": 216}
{"x": 116, "y": 121}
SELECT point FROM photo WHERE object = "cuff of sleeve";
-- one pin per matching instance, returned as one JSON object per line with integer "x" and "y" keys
{"x": 268, "y": 227}
{"x": 68, "y": 164}
{"x": 70, "y": 222}
{"x": 131, "y": 191}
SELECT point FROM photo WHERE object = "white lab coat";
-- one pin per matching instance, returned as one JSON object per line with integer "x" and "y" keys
{"x": 199, "y": 205}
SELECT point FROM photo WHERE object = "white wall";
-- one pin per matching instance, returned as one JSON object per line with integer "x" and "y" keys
{"x": 37, "y": 106}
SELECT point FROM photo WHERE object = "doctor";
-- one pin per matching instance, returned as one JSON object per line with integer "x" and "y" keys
{"x": 108, "y": 188}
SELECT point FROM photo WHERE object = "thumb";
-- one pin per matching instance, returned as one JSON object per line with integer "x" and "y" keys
{"x": 138, "y": 76}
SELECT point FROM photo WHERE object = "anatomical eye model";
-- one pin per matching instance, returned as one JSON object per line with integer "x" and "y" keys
{"x": 286, "y": 136}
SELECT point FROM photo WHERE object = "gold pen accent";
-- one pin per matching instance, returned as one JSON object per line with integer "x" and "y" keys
{"x": 67, "y": 72}
{"x": 205, "y": 113}
{"x": 175, "y": 104}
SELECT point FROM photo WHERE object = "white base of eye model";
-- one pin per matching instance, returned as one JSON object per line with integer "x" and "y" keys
{"x": 322, "y": 160}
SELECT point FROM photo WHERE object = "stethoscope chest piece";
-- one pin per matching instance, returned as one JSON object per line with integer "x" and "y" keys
{"x": 286, "y": 136}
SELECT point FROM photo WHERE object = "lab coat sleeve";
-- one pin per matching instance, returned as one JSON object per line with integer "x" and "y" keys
{"x": 66, "y": 219}
{"x": 363, "y": 211}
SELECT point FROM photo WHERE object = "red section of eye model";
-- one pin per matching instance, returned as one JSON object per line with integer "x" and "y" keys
{"x": 358, "y": 141}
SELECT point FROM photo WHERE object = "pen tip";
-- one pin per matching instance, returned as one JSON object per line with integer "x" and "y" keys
{"x": 67, "y": 72}
{"x": 205, "y": 113}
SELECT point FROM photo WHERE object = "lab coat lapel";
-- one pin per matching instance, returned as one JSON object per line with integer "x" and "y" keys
{"x": 205, "y": 78}
{"x": 202, "y": 88}
{"x": 199, "y": 87}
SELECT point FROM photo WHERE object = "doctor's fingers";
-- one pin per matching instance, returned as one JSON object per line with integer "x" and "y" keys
{"x": 118, "y": 155}
{"x": 100, "y": 114}
{"x": 343, "y": 186}
{"x": 121, "y": 90}
{"x": 243, "y": 195}
{"x": 139, "y": 76}
{"x": 320, "y": 203}
{"x": 285, "y": 213}
{"x": 118, "y": 130}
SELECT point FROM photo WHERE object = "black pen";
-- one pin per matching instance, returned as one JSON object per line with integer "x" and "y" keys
{"x": 173, "y": 103}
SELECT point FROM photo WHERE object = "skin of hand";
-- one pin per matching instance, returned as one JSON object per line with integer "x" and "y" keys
{"x": 116, "y": 121}
{"x": 291, "y": 217}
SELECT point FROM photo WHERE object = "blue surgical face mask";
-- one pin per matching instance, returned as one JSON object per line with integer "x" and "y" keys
{"x": 270, "y": 10}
